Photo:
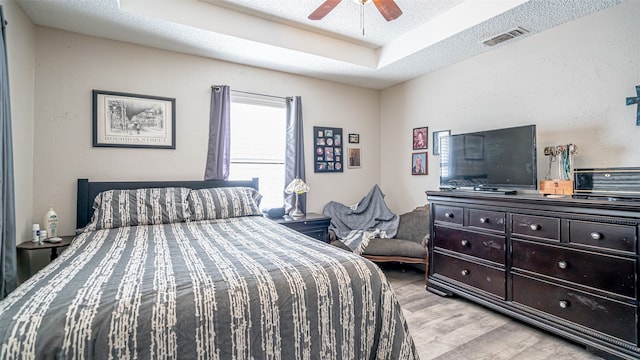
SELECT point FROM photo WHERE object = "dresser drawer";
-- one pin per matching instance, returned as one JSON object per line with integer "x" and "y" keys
{"x": 610, "y": 317}
{"x": 316, "y": 231}
{"x": 449, "y": 214}
{"x": 610, "y": 236}
{"x": 484, "y": 219}
{"x": 478, "y": 276}
{"x": 608, "y": 273}
{"x": 312, "y": 225}
{"x": 484, "y": 246}
{"x": 536, "y": 226}
{"x": 318, "y": 234}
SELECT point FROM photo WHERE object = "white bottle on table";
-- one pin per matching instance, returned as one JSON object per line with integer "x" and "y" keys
{"x": 50, "y": 222}
{"x": 35, "y": 236}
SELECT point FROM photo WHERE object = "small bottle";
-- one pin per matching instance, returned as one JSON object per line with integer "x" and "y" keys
{"x": 35, "y": 235}
{"x": 43, "y": 235}
{"x": 51, "y": 222}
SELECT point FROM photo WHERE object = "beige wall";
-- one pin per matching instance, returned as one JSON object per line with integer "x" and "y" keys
{"x": 570, "y": 81}
{"x": 21, "y": 50}
{"x": 69, "y": 66}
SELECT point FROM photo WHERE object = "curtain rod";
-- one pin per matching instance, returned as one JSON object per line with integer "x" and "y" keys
{"x": 253, "y": 93}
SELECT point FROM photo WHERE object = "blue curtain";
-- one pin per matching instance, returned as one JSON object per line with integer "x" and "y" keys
{"x": 219, "y": 152}
{"x": 8, "y": 267}
{"x": 294, "y": 158}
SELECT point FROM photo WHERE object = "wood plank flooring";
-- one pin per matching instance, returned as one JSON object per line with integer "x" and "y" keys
{"x": 456, "y": 329}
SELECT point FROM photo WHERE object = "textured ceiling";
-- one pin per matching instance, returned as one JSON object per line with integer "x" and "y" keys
{"x": 276, "y": 34}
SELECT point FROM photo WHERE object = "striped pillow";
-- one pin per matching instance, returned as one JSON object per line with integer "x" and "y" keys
{"x": 117, "y": 208}
{"x": 224, "y": 202}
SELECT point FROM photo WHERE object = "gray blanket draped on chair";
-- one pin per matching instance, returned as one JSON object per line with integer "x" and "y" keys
{"x": 370, "y": 218}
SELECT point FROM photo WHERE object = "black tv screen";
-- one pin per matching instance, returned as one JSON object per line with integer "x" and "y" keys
{"x": 492, "y": 159}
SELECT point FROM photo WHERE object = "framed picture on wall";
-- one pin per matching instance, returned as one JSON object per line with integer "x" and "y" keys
{"x": 440, "y": 141}
{"x": 354, "y": 157}
{"x": 133, "y": 121}
{"x": 328, "y": 149}
{"x": 420, "y": 140}
{"x": 354, "y": 138}
{"x": 419, "y": 164}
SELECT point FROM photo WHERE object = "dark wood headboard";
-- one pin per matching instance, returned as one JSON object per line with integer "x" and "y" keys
{"x": 87, "y": 191}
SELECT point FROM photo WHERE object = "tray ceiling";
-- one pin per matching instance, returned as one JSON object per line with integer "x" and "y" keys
{"x": 276, "y": 34}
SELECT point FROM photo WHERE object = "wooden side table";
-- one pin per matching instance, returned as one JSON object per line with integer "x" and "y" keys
{"x": 313, "y": 225}
{"x": 30, "y": 245}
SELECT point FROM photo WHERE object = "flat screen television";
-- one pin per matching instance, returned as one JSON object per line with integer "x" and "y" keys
{"x": 490, "y": 160}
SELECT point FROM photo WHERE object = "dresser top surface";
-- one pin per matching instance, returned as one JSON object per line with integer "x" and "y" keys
{"x": 536, "y": 199}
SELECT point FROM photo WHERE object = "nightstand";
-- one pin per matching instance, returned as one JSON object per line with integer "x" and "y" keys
{"x": 30, "y": 245}
{"x": 313, "y": 225}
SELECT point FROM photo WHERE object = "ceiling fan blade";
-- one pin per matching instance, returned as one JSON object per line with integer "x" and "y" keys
{"x": 388, "y": 8}
{"x": 324, "y": 9}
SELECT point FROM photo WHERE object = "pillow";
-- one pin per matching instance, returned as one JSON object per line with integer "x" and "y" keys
{"x": 117, "y": 208}
{"x": 224, "y": 202}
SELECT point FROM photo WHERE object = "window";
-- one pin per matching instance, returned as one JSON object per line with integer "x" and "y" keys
{"x": 258, "y": 138}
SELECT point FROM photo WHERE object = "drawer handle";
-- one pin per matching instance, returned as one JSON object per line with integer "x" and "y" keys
{"x": 484, "y": 220}
{"x": 464, "y": 242}
{"x": 562, "y": 264}
{"x": 448, "y": 215}
{"x": 465, "y": 272}
{"x": 596, "y": 235}
{"x": 534, "y": 227}
{"x": 563, "y": 304}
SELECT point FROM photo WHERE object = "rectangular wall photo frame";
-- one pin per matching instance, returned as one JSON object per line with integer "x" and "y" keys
{"x": 133, "y": 120}
{"x": 355, "y": 159}
{"x": 440, "y": 141}
{"x": 420, "y": 139}
{"x": 419, "y": 163}
{"x": 328, "y": 155}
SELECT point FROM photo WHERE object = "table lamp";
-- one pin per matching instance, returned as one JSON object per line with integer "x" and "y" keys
{"x": 298, "y": 187}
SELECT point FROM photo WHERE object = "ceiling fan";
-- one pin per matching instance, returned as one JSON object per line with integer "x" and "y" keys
{"x": 388, "y": 8}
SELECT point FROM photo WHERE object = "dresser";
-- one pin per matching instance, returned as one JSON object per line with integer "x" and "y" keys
{"x": 568, "y": 266}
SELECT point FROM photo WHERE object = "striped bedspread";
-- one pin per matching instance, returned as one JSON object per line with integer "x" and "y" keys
{"x": 239, "y": 288}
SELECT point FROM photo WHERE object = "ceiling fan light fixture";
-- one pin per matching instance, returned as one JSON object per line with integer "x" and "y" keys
{"x": 387, "y": 8}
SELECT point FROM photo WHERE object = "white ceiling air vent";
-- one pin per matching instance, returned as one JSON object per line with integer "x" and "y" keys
{"x": 505, "y": 36}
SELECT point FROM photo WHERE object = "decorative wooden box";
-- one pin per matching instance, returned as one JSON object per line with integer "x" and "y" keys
{"x": 556, "y": 187}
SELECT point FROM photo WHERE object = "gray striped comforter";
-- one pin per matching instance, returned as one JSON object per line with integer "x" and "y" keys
{"x": 240, "y": 288}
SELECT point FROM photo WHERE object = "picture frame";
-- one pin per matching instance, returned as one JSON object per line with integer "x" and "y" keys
{"x": 473, "y": 147}
{"x": 419, "y": 163}
{"x": 327, "y": 149}
{"x": 420, "y": 139}
{"x": 438, "y": 137}
{"x": 133, "y": 120}
{"x": 355, "y": 159}
{"x": 354, "y": 138}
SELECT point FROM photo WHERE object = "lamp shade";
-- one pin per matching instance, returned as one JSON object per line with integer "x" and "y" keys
{"x": 297, "y": 186}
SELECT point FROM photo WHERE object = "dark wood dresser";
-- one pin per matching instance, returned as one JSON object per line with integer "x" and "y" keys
{"x": 569, "y": 266}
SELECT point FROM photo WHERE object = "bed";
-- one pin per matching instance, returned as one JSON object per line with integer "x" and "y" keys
{"x": 190, "y": 270}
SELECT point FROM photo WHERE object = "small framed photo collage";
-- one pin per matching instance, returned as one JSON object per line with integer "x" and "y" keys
{"x": 328, "y": 156}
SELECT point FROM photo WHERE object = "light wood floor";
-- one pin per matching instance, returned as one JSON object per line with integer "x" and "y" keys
{"x": 456, "y": 329}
